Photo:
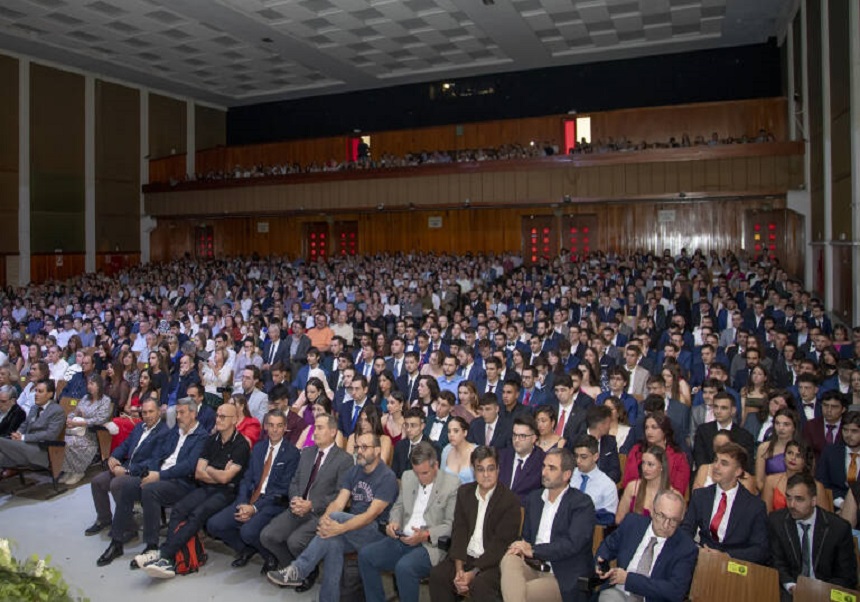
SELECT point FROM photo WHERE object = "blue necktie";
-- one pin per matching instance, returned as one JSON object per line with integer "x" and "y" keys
{"x": 584, "y": 482}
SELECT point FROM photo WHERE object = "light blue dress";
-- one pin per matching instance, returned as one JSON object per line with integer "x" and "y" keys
{"x": 466, "y": 475}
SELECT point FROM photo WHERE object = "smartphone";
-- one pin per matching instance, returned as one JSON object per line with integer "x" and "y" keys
{"x": 603, "y": 566}
{"x": 399, "y": 533}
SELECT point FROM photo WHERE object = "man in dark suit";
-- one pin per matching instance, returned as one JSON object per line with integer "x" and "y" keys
{"x": 490, "y": 425}
{"x": 826, "y": 429}
{"x": 530, "y": 395}
{"x": 45, "y": 422}
{"x": 520, "y": 466}
{"x": 840, "y": 462}
{"x": 570, "y": 404}
{"x": 486, "y": 521}
{"x": 724, "y": 415}
{"x": 297, "y": 345}
{"x": 413, "y": 434}
{"x": 275, "y": 351}
{"x": 126, "y": 465}
{"x": 565, "y": 546}
{"x": 273, "y": 463}
{"x": 807, "y": 540}
{"x": 655, "y": 559}
{"x": 436, "y": 427}
{"x": 598, "y": 421}
{"x": 313, "y": 486}
{"x": 408, "y": 381}
{"x": 726, "y": 516}
{"x": 11, "y": 414}
{"x": 350, "y": 410}
{"x": 511, "y": 407}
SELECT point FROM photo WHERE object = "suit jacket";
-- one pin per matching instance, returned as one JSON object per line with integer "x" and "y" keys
{"x": 439, "y": 513}
{"x": 639, "y": 378}
{"x": 282, "y": 355}
{"x": 13, "y": 419}
{"x": 501, "y": 434}
{"x": 815, "y": 435}
{"x": 46, "y": 427}
{"x": 530, "y": 475}
{"x": 672, "y": 572}
{"x": 400, "y": 463}
{"x": 481, "y": 386}
{"x": 300, "y": 357}
{"x": 281, "y": 473}
{"x": 403, "y": 384}
{"x": 443, "y": 434}
{"x": 135, "y": 458}
{"x": 703, "y": 448}
{"x": 746, "y": 532}
{"x": 830, "y": 471}
{"x": 570, "y": 540}
{"x": 344, "y": 419}
{"x": 327, "y": 482}
{"x": 501, "y": 525}
{"x": 832, "y": 546}
{"x": 186, "y": 462}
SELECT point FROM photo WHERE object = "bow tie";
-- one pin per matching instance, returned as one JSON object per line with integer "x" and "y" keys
{"x": 809, "y": 405}
{"x": 441, "y": 421}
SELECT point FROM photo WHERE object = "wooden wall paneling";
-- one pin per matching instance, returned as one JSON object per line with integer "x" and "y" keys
{"x": 44, "y": 266}
{"x": 8, "y": 156}
{"x": 167, "y": 118}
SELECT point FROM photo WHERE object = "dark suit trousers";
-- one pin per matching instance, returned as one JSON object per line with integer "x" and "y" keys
{"x": 240, "y": 536}
{"x": 194, "y": 510}
{"x": 486, "y": 586}
{"x": 125, "y": 490}
{"x": 154, "y": 497}
{"x": 287, "y": 535}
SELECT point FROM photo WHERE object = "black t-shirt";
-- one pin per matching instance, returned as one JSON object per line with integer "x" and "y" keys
{"x": 218, "y": 454}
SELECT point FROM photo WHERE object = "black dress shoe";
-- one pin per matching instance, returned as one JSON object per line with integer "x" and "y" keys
{"x": 269, "y": 564}
{"x": 242, "y": 558}
{"x": 113, "y": 552}
{"x": 96, "y": 528}
{"x": 309, "y": 581}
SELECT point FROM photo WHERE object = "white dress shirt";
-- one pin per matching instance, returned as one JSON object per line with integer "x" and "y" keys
{"x": 475, "y": 549}
{"x": 547, "y": 516}
{"x": 599, "y": 487}
{"x": 416, "y": 521}
{"x": 731, "y": 494}
{"x": 274, "y": 451}
{"x": 170, "y": 462}
{"x": 634, "y": 562}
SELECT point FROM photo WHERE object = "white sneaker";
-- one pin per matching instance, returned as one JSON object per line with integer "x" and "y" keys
{"x": 74, "y": 478}
{"x": 160, "y": 569}
{"x": 141, "y": 560}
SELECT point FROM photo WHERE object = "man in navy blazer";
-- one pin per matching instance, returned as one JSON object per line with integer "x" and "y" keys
{"x": 726, "y": 516}
{"x": 598, "y": 421}
{"x": 267, "y": 480}
{"x": 275, "y": 351}
{"x": 122, "y": 479}
{"x": 500, "y": 429}
{"x": 674, "y": 554}
{"x": 521, "y": 464}
{"x": 349, "y": 412}
{"x": 832, "y": 470}
{"x": 567, "y": 546}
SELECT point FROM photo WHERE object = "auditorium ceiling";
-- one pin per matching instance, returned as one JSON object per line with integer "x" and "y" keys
{"x": 235, "y": 52}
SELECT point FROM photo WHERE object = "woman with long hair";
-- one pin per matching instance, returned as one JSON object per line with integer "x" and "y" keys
{"x": 370, "y": 421}
{"x": 249, "y": 427}
{"x": 546, "y": 418}
{"x": 760, "y": 423}
{"x": 392, "y": 419}
{"x": 590, "y": 381}
{"x": 770, "y": 457}
{"x": 618, "y": 426}
{"x": 755, "y": 394}
{"x": 799, "y": 458}
{"x": 677, "y": 387}
{"x": 457, "y": 455}
{"x": 467, "y": 398}
{"x": 320, "y": 407}
{"x": 659, "y": 432}
{"x": 638, "y": 496}
{"x": 82, "y": 445}
{"x": 428, "y": 392}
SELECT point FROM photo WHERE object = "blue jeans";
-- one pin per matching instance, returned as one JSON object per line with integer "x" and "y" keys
{"x": 409, "y": 563}
{"x": 331, "y": 550}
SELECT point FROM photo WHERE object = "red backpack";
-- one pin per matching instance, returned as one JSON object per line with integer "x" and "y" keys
{"x": 191, "y": 556}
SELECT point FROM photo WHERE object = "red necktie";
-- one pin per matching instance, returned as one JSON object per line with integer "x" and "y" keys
{"x": 527, "y": 398}
{"x": 718, "y": 517}
{"x": 266, "y": 468}
{"x": 830, "y": 437}
{"x": 559, "y": 428}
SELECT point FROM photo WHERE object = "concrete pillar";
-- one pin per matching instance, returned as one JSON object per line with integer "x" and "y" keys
{"x": 23, "y": 171}
{"x": 90, "y": 173}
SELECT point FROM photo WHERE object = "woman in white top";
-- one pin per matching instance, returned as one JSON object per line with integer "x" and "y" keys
{"x": 618, "y": 427}
{"x": 217, "y": 374}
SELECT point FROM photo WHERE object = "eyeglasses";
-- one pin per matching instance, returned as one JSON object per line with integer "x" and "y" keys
{"x": 486, "y": 469}
{"x": 672, "y": 522}
{"x": 522, "y": 435}
{"x": 364, "y": 448}
{"x": 223, "y": 416}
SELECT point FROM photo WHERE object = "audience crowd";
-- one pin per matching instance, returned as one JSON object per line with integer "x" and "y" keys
{"x": 470, "y": 420}
{"x": 365, "y": 160}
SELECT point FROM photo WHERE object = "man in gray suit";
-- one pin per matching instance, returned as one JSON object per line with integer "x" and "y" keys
{"x": 423, "y": 512}
{"x": 313, "y": 487}
{"x": 45, "y": 422}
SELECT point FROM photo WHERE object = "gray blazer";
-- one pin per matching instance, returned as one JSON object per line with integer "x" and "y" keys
{"x": 326, "y": 485}
{"x": 439, "y": 515}
{"x": 698, "y": 417}
{"x": 45, "y": 428}
{"x": 640, "y": 380}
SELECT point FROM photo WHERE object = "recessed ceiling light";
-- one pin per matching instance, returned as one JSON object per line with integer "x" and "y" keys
{"x": 268, "y": 41}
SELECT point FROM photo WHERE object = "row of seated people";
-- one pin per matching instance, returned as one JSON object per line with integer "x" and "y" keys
{"x": 366, "y": 161}
{"x": 521, "y": 465}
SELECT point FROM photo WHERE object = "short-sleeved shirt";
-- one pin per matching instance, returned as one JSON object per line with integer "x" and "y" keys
{"x": 381, "y": 484}
{"x": 218, "y": 454}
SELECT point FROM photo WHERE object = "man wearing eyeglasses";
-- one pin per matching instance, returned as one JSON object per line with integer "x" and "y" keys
{"x": 349, "y": 413}
{"x": 655, "y": 559}
{"x": 369, "y": 488}
{"x": 520, "y": 466}
{"x": 486, "y": 521}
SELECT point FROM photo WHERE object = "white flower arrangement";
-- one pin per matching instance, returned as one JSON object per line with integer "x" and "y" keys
{"x": 33, "y": 579}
